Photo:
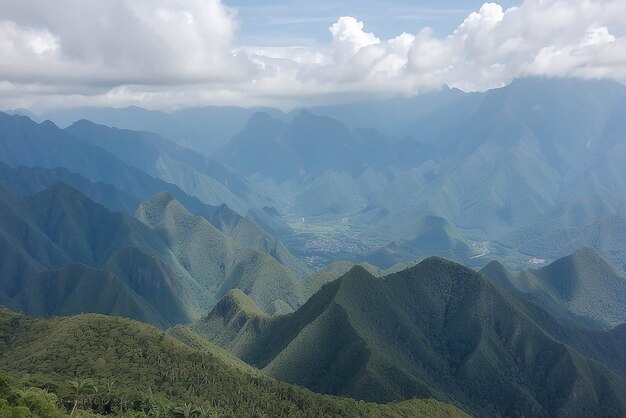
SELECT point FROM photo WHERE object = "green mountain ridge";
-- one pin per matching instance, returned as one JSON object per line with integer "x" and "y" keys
{"x": 582, "y": 287}
{"x": 435, "y": 330}
{"x": 142, "y": 370}
{"x": 165, "y": 276}
{"x": 217, "y": 261}
{"x": 25, "y": 181}
{"x": 60, "y": 227}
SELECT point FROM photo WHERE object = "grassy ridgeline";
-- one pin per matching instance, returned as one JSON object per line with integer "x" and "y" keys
{"x": 139, "y": 370}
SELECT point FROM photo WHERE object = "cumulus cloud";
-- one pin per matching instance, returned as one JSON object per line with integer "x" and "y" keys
{"x": 170, "y": 53}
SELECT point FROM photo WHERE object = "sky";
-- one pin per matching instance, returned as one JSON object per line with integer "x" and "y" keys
{"x": 166, "y": 54}
{"x": 281, "y": 23}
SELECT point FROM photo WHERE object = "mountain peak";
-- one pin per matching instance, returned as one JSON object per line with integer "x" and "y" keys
{"x": 236, "y": 302}
{"x": 260, "y": 120}
{"x": 159, "y": 200}
{"x": 152, "y": 209}
{"x": 493, "y": 266}
{"x": 47, "y": 124}
{"x": 62, "y": 190}
{"x": 163, "y": 197}
{"x": 584, "y": 261}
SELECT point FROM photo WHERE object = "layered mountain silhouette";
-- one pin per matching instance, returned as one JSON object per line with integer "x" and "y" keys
{"x": 203, "y": 129}
{"x": 112, "y": 183}
{"x": 435, "y": 236}
{"x": 303, "y": 148}
{"x": 195, "y": 174}
{"x": 500, "y": 166}
{"x": 218, "y": 262}
{"x": 61, "y": 249}
{"x": 130, "y": 355}
{"x": 435, "y": 330}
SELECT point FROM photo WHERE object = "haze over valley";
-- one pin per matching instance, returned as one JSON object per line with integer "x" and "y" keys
{"x": 215, "y": 209}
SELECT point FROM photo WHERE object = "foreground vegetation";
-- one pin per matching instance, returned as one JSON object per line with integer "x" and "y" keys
{"x": 103, "y": 365}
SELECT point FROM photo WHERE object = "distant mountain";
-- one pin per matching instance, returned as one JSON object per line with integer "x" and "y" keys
{"x": 26, "y": 143}
{"x": 303, "y": 148}
{"x": 435, "y": 236}
{"x": 26, "y": 181}
{"x": 550, "y": 239}
{"x": 435, "y": 330}
{"x": 582, "y": 287}
{"x": 194, "y": 173}
{"x": 203, "y": 129}
{"x": 109, "y": 181}
{"x": 390, "y": 116}
{"x": 522, "y": 149}
{"x": 178, "y": 369}
{"x": 490, "y": 163}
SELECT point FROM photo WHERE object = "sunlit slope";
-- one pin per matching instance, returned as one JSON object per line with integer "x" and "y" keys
{"x": 136, "y": 357}
{"x": 437, "y": 329}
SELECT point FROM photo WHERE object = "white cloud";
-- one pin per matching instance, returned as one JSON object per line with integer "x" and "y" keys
{"x": 113, "y": 42}
{"x": 165, "y": 53}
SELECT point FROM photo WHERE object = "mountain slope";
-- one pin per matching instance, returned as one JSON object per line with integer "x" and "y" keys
{"x": 203, "y": 129}
{"x": 217, "y": 261}
{"x": 25, "y": 143}
{"x": 26, "y": 181}
{"x": 303, "y": 148}
{"x": 142, "y": 370}
{"x": 195, "y": 174}
{"x": 45, "y": 235}
{"x": 173, "y": 267}
{"x": 437, "y": 329}
{"x": 434, "y": 236}
{"x": 581, "y": 287}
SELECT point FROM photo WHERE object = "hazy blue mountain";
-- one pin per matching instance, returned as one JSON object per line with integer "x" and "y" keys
{"x": 391, "y": 116}
{"x": 518, "y": 153}
{"x": 219, "y": 123}
{"x": 434, "y": 236}
{"x": 435, "y": 330}
{"x": 24, "y": 142}
{"x": 27, "y": 181}
{"x": 203, "y": 129}
{"x": 549, "y": 239}
{"x": 303, "y": 148}
{"x": 582, "y": 287}
{"x": 195, "y": 174}
{"x": 490, "y": 163}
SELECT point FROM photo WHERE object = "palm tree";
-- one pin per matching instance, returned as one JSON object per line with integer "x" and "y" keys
{"x": 109, "y": 384}
{"x": 80, "y": 388}
{"x": 187, "y": 410}
{"x": 206, "y": 412}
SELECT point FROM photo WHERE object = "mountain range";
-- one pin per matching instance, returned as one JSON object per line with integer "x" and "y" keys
{"x": 435, "y": 330}
{"x": 440, "y": 255}
{"x": 582, "y": 287}
{"x": 168, "y": 267}
{"x": 142, "y": 370}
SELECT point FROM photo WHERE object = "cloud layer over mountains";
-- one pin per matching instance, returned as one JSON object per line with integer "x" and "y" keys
{"x": 185, "y": 52}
